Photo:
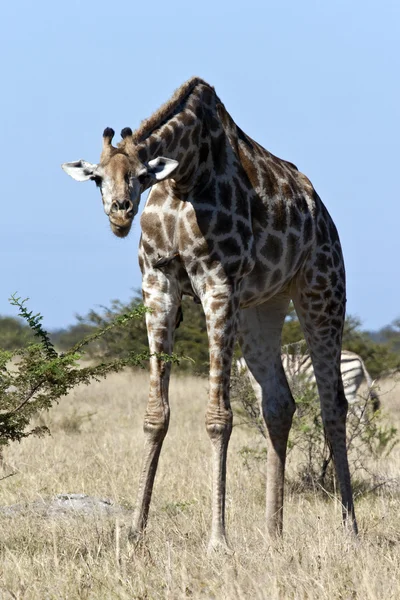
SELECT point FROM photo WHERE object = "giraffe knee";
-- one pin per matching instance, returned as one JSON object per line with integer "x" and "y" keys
{"x": 219, "y": 424}
{"x": 156, "y": 425}
{"x": 278, "y": 412}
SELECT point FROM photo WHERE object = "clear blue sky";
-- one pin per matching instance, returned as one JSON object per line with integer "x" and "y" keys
{"x": 317, "y": 83}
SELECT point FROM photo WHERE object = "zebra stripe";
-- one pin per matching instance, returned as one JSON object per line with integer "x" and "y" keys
{"x": 299, "y": 370}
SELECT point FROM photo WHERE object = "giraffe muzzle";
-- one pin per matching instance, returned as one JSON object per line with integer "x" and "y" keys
{"x": 121, "y": 216}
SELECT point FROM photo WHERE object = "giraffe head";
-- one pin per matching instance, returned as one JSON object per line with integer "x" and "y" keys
{"x": 121, "y": 177}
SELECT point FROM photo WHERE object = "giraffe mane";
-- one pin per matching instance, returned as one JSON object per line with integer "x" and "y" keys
{"x": 169, "y": 108}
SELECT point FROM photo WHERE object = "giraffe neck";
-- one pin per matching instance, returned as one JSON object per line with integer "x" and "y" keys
{"x": 187, "y": 136}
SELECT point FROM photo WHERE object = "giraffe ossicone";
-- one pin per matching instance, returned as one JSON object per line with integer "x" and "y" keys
{"x": 243, "y": 232}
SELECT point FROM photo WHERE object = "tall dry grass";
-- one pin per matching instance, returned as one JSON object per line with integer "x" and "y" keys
{"x": 95, "y": 448}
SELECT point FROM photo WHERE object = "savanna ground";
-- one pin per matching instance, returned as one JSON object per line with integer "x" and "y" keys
{"x": 96, "y": 447}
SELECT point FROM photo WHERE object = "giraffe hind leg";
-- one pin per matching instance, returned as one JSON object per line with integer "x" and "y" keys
{"x": 322, "y": 320}
{"x": 260, "y": 339}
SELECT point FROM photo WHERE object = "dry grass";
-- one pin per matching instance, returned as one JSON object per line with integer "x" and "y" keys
{"x": 96, "y": 448}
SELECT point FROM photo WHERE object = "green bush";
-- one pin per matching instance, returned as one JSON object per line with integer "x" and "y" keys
{"x": 34, "y": 377}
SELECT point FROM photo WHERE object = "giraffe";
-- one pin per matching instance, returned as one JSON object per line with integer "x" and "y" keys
{"x": 242, "y": 232}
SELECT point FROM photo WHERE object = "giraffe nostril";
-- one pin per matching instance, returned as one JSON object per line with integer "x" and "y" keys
{"x": 121, "y": 205}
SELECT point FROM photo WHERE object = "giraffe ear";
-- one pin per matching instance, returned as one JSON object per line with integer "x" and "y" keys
{"x": 80, "y": 170}
{"x": 161, "y": 168}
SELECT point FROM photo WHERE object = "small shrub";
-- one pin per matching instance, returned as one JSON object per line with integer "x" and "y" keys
{"x": 34, "y": 377}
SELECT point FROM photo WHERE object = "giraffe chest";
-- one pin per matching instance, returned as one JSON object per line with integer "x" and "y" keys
{"x": 207, "y": 238}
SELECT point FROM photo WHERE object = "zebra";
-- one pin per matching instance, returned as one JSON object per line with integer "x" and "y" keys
{"x": 298, "y": 369}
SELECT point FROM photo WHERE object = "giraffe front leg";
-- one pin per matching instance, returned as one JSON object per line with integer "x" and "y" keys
{"x": 221, "y": 314}
{"x": 161, "y": 323}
